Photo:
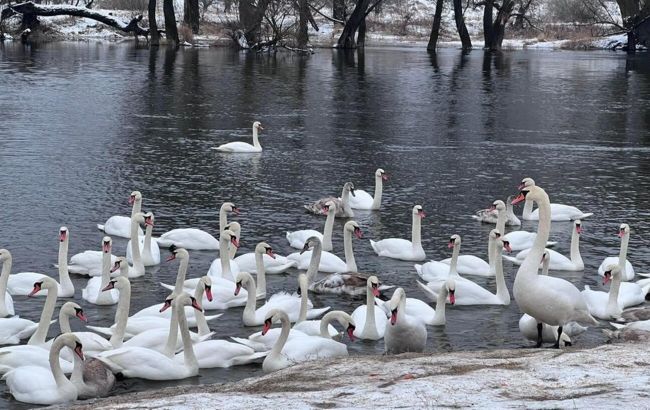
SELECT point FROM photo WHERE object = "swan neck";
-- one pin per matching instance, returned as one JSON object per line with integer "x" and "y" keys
{"x": 121, "y": 316}
{"x": 180, "y": 276}
{"x": 350, "y": 262}
{"x": 416, "y": 230}
{"x": 327, "y": 230}
{"x": 64, "y": 275}
{"x": 64, "y": 322}
{"x": 302, "y": 316}
{"x": 256, "y": 140}
{"x": 502, "y": 289}
{"x": 4, "y": 278}
{"x": 491, "y": 251}
{"x": 531, "y": 264}
{"x": 201, "y": 322}
{"x": 622, "y": 255}
{"x": 102, "y": 297}
{"x": 138, "y": 266}
{"x": 188, "y": 350}
{"x": 251, "y": 302}
{"x": 528, "y": 209}
{"x": 225, "y": 259}
{"x": 441, "y": 305}
{"x": 147, "y": 241}
{"x": 55, "y": 366}
{"x": 379, "y": 187}
{"x": 261, "y": 274}
{"x": 501, "y": 221}
{"x": 314, "y": 262}
{"x": 370, "y": 325}
{"x": 284, "y": 335}
{"x": 172, "y": 337}
{"x": 453, "y": 265}
{"x": 38, "y": 338}
{"x": 137, "y": 206}
{"x": 612, "y": 301}
{"x": 576, "y": 258}
{"x": 327, "y": 319}
{"x": 223, "y": 220}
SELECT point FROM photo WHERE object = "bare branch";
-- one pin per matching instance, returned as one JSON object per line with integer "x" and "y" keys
{"x": 327, "y": 17}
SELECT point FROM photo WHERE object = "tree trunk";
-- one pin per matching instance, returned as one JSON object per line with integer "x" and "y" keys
{"x": 352, "y": 25}
{"x": 460, "y": 25}
{"x": 488, "y": 29}
{"x": 303, "y": 35}
{"x": 153, "y": 26}
{"x": 361, "y": 36}
{"x": 499, "y": 27}
{"x": 251, "y": 17}
{"x": 631, "y": 42}
{"x": 435, "y": 27}
{"x": 191, "y": 15}
{"x": 338, "y": 10}
{"x": 171, "y": 31}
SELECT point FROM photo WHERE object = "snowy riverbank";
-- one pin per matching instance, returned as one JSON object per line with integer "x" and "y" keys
{"x": 609, "y": 376}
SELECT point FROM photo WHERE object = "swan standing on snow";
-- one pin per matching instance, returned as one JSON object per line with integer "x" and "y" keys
{"x": 549, "y": 300}
{"x": 404, "y": 333}
{"x": 92, "y": 293}
{"x": 610, "y": 305}
{"x": 244, "y": 147}
{"x": 371, "y": 321}
{"x": 22, "y": 283}
{"x": 362, "y": 200}
{"x": 627, "y": 270}
{"x": 557, "y": 260}
{"x": 39, "y": 385}
{"x": 343, "y": 209}
{"x": 289, "y": 351}
{"x": 289, "y": 303}
{"x": 149, "y": 249}
{"x": 118, "y": 225}
{"x": 404, "y": 249}
{"x": 272, "y": 263}
{"x": 298, "y": 238}
{"x": 469, "y": 293}
{"x": 559, "y": 212}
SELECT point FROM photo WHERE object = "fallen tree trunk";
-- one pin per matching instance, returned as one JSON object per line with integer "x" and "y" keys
{"x": 32, "y": 10}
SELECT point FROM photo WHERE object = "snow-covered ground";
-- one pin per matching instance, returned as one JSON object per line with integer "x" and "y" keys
{"x": 400, "y": 22}
{"x": 607, "y": 377}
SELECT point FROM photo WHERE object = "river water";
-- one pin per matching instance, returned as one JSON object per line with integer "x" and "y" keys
{"x": 84, "y": 124}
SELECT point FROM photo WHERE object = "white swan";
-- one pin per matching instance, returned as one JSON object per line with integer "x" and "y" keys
{"x": 520, "y": 240}
{"x": 289, "y": 351}
{"x": 223, "y": 266}
{"x": 491, "y": 215}
{"x": 91, "y": 263}
{"x": 290, "y": 303}
{"x": 244, "y": 147}
{"x": 610, "y": 305}
{"x": 469, "y": 293}
{"x": 404, "y": 249}
{"x": 298, "y": 238}
{"x": 363, "y": 200}
{"x": 92, "y": 293}
{"x": 6, "y": 302}
{"x": 422, "y": 311}
{"x": 533, "y": 292}
{"x": 40, "y": 385}
{"x": 272, "y": 263}
{"x": 559, "y": 261}
{"x": 627, "y": 270}
{"x": 149, "y": 248}
{"x": 559, "y": 212}
{"x": 325, "y": 262}
{"x": 370, "y": 322}
{"x": 22, "y": 283}
{"x": 404, "y": 333}
{"x": 343, "y": 209}
{"x": 152, "y": 365}
{"x": 473, "y": 265}
{"x": 118, "y": 225}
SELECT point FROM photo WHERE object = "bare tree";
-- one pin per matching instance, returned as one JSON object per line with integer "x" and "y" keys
{"x": 460, "y": 25}
{"x": 171, "y": 31}
{"x": 435, "y": 27}
{"x": 191, "y": 15}
{"x": 153, "y": 26}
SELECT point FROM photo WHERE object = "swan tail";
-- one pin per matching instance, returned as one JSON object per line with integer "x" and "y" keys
{"x": 617, "y": 326}
{"x": 645, "y": 275}
{"x": 418, "y": 269}
{"x": 511, "y": 259}
{"x": 374, "y": 246}
{"x": 166, "y": 286}
{"x": 258, "y": 347}
{"x": 583, "y": 316}
{"x": 573, "y": 329}
{"x": 256, "y": 357}
{"x": 103, "y": 330}
{"x": 587, "y": 215}
{"x": 314, "y": 313}
{"x": 162, "y": 242}
{"x": 646, "y": 289}
{"x": 427, "y": 291}
{"x": 100, "y": 227}
{"x": 209, "y": 318}
{"x": 551, "y": 243}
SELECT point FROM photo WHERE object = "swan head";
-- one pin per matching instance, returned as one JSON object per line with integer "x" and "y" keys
{"x": 395, "y": 303}
{"x": 241, "y": 279}
{"x": 107, "y": 244}
{"x": 5, "y": 255}
{"x": 349, "y": 187}
{"x": 310, "y": 243}
{"x": 258, "y": 126}
{"x": 613, "y": 271}
{"x": 63, "y": 234}
{"x": 380, "y": 173}
{"x": 182, "y": 299}
{"x": 120, "y": 264}
{"x": 505, "y": 244}
{"x": 72, "y": 341}
{"x": 135, "y": 196}
{"x": 498, "y": 205}
{"x": 578, "y": 225}
{"x": 532, "y": 193}
{"x": 273, "y": 316}
{"x": 45, "y": 283}
{"x": 229, "y": 236}
{"x": 206, "y": 282}
{"x": 526, "y": 182}
{"x": 149, "y": 219}
{"x": 454, "y": 240}
{"x": 265, "y": 248}
{"x": 623, "y": 230}
{"x": 354, "y": 228}
{"x": 417, "y": 210}
{"x": 329, "y": 207}
{"x": 235, "y": 227}
{"x": 450, "y": 286}
{"x": 73, "y": 309}
{"x": 229, "y": 207}
{"x": 119, "y": 283}
{"x": 495, "y": 233}
{"x": 373, "y": 285}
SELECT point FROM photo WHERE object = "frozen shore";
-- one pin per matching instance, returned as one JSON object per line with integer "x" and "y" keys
{"x": 609, "y": 376}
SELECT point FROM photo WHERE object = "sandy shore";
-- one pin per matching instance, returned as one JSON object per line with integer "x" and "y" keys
{"x": 610, "y": 376}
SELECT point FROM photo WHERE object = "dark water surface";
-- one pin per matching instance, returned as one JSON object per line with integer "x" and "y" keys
{"x": 84, "y": 124}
